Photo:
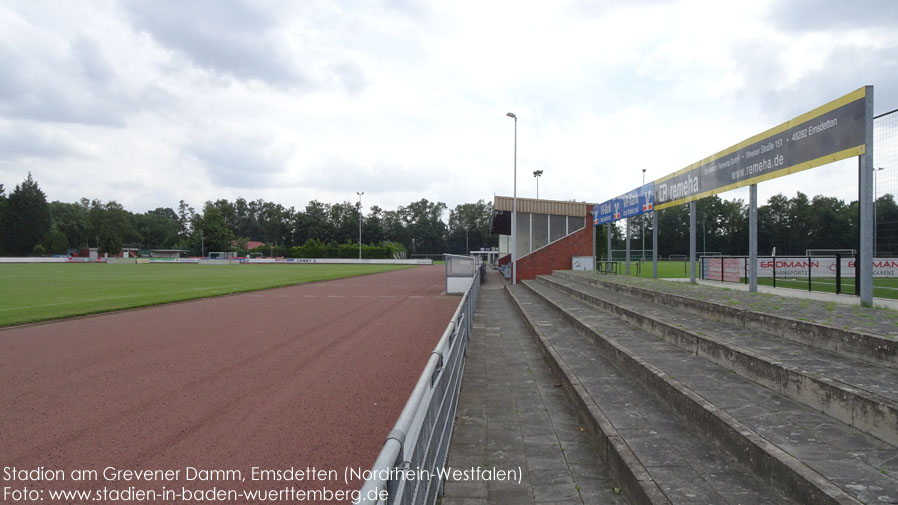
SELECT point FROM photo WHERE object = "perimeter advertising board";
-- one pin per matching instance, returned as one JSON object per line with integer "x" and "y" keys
{"x": 822, "y": 267}
{"x": 733, "y": 269}
{"x": 826, "y": 134}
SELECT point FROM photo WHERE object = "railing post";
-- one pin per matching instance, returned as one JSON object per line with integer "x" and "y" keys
{"x": 838, "y": 273}
{"x": 809, "y": 274}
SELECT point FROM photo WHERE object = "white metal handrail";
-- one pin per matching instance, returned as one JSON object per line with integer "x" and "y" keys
{"x": 406, "y": 470}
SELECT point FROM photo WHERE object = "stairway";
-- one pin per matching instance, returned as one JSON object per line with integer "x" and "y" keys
{"x": 690, "y": 406}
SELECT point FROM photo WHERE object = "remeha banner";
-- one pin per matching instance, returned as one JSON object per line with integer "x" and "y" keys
{"x": 633, "y": 203}
{"x": 826, "y": 134}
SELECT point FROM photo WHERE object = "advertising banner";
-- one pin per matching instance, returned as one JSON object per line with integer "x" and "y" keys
{"x": 826, "y": 134}
{"x": 632, "y": 203}
{"x": 723, "y": 269}
{"x": 822, "y": 267}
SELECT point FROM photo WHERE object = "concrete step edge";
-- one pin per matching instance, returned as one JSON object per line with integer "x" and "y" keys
{"x": 856, "y": 344}
{"x": 866, "y": 411}
{"x": 773, "y": 465}
{"x": 625, "y": 468}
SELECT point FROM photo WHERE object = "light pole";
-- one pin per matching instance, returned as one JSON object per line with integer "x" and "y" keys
{"x": 537, "y": 174}
{"x": 468, "y": 230}
{"x": 643, "y": 221}
{"x": 874, "y": 207}
{"x": 360, "y": 222}
{"x": 514, "y": 211}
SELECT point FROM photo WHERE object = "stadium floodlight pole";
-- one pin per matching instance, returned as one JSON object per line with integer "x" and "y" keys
{"x": 537, "y": 174}
{"x": 360, "y": 222}
{"x": 514, "y": 211}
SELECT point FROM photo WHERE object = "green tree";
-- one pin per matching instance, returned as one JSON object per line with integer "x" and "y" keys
{"x": 426, "y": 230}
{"x": 157, "y": 228}
{"x": 26, "y": 218}
{"x": 373, "y": 226}
{"x": 110, "y": 242}
{"x": 469, "y": 227}
{"x": 72, "y": 221}
{"x": 211, "y": 231}
{"x": 312, "y": 223}
{"x": 55, "y": 242}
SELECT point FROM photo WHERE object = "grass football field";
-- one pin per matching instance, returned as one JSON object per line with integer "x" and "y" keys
{"x": 36, "y": 292}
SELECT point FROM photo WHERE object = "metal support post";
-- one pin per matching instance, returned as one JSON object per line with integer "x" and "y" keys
{"x": 654, "y": 244}
{"x": 753, "y": 238}
{"x": 627, "y": 257}
{"x": 865, "y": 169}
{"x": 692, "y": 242}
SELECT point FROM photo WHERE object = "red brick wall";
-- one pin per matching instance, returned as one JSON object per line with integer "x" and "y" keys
{"x": 558, "y": 254}
{"x": 504, "y": 260}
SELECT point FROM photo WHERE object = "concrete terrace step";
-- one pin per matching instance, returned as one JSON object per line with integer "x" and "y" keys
{"x": 655, "y": 455}
{"x": 856, "y": 392}
{"x": 802, "y": 452}
{"x": 866, "y": 334}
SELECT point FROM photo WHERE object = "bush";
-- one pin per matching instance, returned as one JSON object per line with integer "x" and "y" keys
{"x": 56, "y": 242}
{"x": 38, "y": 250}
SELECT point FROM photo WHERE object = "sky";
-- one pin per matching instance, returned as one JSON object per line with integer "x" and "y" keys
{"x": 152, "y": 102}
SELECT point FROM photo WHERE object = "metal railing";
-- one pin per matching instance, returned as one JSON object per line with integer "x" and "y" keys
{"x": 789, "y": 270}
{"x": 407, "y": 469}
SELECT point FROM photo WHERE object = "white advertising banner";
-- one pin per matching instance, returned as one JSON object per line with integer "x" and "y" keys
{"x": 822, "y": 267}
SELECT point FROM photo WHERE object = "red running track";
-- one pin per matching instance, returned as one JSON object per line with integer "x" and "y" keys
{"x": 305, "y": 376}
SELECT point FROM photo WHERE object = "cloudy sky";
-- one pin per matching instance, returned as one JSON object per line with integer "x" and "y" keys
{"x": 150, "y": 102}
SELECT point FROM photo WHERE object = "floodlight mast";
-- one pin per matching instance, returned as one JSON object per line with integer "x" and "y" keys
{"x": 514, "y": 211}
{"x": 360, "y": 222}
{"x": 537, "y": 174}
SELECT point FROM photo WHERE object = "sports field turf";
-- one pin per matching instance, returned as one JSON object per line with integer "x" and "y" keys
{"x": 666, "y": 269}
{"x": 35, "y": 292}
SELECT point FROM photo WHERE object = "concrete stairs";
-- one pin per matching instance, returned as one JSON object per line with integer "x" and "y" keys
{"x": 687, "y": 407}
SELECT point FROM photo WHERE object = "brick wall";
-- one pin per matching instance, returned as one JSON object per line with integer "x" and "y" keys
{"x": 558, "y": 254}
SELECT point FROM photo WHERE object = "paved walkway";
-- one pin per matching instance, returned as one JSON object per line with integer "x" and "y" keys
{"x": 512, "y": 415}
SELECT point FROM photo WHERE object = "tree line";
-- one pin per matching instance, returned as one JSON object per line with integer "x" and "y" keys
{"x": 792, "y": 225}
{"x": 30, "y": 225}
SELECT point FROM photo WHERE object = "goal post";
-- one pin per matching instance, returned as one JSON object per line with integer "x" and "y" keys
{"x": 830, "y": 252}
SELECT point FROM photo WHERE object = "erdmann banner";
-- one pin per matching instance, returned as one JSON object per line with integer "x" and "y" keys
{"x": 822, "y": 267}
{"x": 734, "y": 269}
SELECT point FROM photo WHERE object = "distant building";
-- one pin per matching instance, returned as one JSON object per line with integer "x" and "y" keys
{"x": 250, "y": 244}
{"x": 166, "y": 253}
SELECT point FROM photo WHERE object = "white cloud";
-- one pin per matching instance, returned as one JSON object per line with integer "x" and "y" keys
{"x": 150, "y": 103}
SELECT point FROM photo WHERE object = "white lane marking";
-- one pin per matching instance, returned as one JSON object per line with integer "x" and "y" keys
{"x": 386, "y": 296}
{"x": 310, "y": 296}
{"x": 283, "y": 296}
{"x": 361, "y": 296}
{"x": 336, "y": 296}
